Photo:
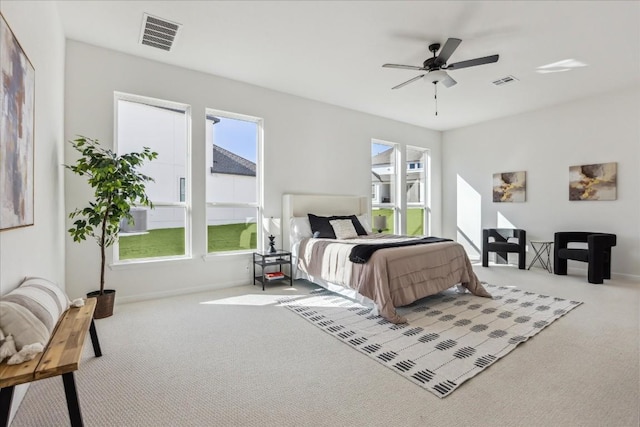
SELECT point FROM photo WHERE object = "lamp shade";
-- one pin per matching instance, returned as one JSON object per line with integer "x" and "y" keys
{"x": 380, "y": 223}
{"x": 272, "y": 226}
{"x": 435, "y": 76}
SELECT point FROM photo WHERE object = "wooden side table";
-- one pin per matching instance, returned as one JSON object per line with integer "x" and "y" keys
{"x": 543, "y": 249}
{"x": 266, "y": 259}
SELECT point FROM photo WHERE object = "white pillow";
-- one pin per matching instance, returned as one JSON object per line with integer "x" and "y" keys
{"x": 30, "y": 312}
{"x": 364, "y": 221}
{"x": 299, "y": 229}
{"x": 343, "y": 228}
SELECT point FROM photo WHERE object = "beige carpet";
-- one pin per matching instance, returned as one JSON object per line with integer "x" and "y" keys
{"x": 235, "y": 358}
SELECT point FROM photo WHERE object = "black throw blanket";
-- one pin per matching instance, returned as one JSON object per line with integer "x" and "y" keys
{"x": 360, "y": 254}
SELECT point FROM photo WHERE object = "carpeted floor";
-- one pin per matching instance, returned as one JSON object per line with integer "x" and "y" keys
{"x": 234, "y": 357}
{"x": 448, "y": 338}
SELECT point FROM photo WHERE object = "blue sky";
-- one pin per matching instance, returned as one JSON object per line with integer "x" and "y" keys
{"x": 378, "y": 148}
{"x": 237, "y": 136}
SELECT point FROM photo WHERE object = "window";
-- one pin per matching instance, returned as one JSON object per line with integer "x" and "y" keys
{"x": 234, "y": 184}
{"x": 383, "y": 183}
{"x": 387, "y": 179}
{"x": 163, "y": 126}
{"x": 416, "y": 192}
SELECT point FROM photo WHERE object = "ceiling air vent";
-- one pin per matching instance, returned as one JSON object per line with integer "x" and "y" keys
{"x": 158, "y": 32}
{"x": 505, "y": 81}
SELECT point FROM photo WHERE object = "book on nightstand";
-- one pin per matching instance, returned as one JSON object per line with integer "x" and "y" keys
{"x": 275, "y": 275}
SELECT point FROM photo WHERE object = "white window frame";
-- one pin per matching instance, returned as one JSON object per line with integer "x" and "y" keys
{"x": 424, "y": 191}
{"x": 186, "y": 205}
{"x": 395, "y": 206}
{"x": 259, "y": 205}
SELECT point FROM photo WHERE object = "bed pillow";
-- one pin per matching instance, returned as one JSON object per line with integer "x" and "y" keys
{"x": 343, "y": 228}
{"x": 364, "y": 221}
{"x": 299, "y": 229}
{"x": 321, "y": 225}
{"x": 30, "y": 312}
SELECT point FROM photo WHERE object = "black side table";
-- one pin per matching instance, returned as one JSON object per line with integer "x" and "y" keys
{"x": 543, "y": 249}
{"x": 266, "y": 259}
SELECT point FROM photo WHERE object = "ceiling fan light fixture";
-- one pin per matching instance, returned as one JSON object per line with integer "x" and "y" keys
{"x": 435, "y": 76}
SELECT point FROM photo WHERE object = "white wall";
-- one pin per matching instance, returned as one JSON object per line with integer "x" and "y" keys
{"x": 39, "y": 250}
{"x": 544, "y": 144}
{"x": 310, "y": 147}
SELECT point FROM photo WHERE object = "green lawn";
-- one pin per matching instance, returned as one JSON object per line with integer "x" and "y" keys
{"x": 156, "y": 243}
{"x": 415, "y": 224}
{"x": 232, "y": 237}
{"x": 170, "y": 241}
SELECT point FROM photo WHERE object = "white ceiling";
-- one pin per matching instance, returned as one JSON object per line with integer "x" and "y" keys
{"x": 332, "y": 51}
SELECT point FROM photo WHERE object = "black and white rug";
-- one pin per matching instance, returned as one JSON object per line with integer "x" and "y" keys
{"x": 449, "y": 337}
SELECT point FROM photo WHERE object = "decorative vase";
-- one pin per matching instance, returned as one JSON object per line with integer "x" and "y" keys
{"x": 104, "y": 303}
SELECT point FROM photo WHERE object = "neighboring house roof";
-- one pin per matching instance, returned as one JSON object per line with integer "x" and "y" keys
{"x": 225, "y": 161}
{"x": 384, "y": 157}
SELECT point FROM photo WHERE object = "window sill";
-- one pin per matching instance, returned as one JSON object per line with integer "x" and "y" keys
{"x": 223, "y": 256}
{"x": 128, "y": 264}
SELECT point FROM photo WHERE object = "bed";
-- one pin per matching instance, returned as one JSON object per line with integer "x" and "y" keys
{"x": 392, "y": 276}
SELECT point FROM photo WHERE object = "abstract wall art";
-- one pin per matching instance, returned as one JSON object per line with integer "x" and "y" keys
{"x": 509, "y": 187}
{"x": 17, "y": 99}
{"x": 593, "y": 182}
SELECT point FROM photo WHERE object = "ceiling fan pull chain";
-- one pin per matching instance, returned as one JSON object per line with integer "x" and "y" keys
{"x": 435, "y": 96}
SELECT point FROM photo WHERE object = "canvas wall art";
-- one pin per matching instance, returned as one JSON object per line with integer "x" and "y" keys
{"x": 593, "y": 182}
{"x": 17, "y": 97}
{"x": 509, "y": 187}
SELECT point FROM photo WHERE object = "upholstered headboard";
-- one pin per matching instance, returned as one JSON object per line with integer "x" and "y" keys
{"x": 299, "y": 205}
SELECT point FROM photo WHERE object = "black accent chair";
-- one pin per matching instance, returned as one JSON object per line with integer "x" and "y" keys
{"x": 597, "y": 254}
{"x": 502, "y": 246}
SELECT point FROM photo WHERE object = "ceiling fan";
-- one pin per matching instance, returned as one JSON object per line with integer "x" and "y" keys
{"x": 436, "y": 65}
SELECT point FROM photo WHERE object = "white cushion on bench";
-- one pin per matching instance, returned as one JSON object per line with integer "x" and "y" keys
{"x": 30, "y": 312}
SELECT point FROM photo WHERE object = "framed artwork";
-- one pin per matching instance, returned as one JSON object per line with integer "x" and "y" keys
{"x": 509, "y": 187}
{"x": 593, "y": 182}
{"x": 17, "y": 97}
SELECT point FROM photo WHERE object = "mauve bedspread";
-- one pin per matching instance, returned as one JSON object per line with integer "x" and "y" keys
{"x": 393, "y": 277}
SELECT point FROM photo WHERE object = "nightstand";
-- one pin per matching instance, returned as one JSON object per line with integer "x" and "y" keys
{"x": 266, "y": 259}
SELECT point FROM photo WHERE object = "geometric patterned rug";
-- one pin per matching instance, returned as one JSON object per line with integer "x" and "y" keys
{"x": 449, "y": 337}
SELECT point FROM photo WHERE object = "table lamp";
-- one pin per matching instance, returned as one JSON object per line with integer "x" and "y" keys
{"x": 380, "y": 222}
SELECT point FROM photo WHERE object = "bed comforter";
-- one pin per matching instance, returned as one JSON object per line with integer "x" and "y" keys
{"x": 393, "y": 277}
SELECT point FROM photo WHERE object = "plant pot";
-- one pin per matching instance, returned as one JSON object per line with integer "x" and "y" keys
{"x": 104, "y": 305}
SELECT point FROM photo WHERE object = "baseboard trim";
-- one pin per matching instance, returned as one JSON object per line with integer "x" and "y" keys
{"x": 614, "y": 275}
{"x": 177, "y": 292}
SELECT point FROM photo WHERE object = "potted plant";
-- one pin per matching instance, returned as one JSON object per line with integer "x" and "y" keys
{"x": 118, "y": 186}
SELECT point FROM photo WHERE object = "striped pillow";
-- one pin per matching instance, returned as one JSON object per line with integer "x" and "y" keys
{"x": 31, "y": 311}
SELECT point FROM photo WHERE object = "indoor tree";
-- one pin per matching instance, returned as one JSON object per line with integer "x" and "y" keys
{"x": 118, "y": 186}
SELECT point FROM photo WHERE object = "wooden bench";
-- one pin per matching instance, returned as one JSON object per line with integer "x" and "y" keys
{"x": 61, "y": 356}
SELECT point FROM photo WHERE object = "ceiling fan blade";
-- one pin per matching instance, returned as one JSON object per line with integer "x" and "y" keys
{"x": 472, "y": 62}
{"x": 404, "y": 67}
{"x": 448, "y": 81}
{"x": 408, "y": 81}
{"x": 447, "y": 50}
